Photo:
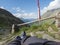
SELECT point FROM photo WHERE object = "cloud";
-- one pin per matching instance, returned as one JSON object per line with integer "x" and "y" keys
{"x": 2, "y": 7}
{"x": 20, "y": 13}
{"x": 17, "y": 9}
{"x": 52, "y": 5}
{"x": 26, "y": 15}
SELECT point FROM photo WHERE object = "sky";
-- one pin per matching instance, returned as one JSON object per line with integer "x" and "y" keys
{"x": 28, "y": 8}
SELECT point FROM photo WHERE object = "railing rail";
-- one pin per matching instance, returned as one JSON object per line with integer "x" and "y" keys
{"x": 35, "y": 21}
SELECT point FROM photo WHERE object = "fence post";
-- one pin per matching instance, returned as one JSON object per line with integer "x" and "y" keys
{"x": 57, "y": 18}
{"x": 12, "y": 28}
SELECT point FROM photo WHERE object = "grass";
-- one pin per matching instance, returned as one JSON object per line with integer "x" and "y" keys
{"x": 0, "y": 38}
{"x": 35, "y": 28}
{"x": 42, "y": 27}
{"x": 54, "y": 27}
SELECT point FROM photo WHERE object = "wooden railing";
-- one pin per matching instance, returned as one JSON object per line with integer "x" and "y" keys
{"x": 36, "y": 21}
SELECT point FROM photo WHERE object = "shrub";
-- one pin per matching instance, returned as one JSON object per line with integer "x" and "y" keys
{"x": 34, "y": 27}
{"x": 24, "y": 28}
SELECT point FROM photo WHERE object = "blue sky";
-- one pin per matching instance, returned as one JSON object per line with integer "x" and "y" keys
{"x": 28, "y": 5}
{"x": 44, "y": 3}
{"x": 24, "y": 8}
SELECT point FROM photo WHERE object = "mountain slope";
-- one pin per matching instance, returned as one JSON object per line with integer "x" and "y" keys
{"x": 52, "y": 12}
{"x": 28, "y": 20}
{"x": 7, "y": 19}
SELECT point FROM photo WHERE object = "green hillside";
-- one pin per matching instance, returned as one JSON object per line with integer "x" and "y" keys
{"x": 7, "y": 19}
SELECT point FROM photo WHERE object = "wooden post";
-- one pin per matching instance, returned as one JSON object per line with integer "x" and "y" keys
{"x": 57, "y": 18}
{"x": 38, "y": 3}
{"x": 12, "y": 28}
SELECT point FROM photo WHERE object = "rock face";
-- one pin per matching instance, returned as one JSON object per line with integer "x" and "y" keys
{"x": 50, "y": 13}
